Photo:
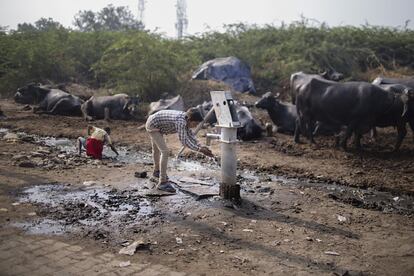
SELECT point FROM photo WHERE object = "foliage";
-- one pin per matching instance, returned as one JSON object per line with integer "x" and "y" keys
{"x": 116, "y": 54}
{"x": 142, "y": 64}
{"x": 109, "y": 18}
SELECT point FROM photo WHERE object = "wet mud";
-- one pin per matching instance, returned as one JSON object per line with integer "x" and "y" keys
{"x": 99, "y": 212}
{"x": 111, "y": 215}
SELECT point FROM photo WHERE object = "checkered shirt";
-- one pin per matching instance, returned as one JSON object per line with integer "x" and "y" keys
{"x": 173, "y": 121}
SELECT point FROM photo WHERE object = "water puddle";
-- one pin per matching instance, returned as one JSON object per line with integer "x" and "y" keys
{"x": 63, "y": 208}
{"x": 43, "y": 227}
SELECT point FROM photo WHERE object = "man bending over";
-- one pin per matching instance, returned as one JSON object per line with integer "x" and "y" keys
{"x": 167, "y": 122}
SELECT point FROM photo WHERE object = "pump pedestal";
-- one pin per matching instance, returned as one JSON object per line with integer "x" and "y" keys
{"x": 228, "y": 123}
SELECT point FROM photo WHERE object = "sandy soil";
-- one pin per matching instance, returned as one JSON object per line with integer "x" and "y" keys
{"x": 289, "y": 222}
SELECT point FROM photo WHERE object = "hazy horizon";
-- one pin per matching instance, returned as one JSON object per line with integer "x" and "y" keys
{"x": 212, "y": 15}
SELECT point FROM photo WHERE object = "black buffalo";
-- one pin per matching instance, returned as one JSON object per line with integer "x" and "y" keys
{"x": 250, "y": 129}
{"x": 400, "y": 89}
{"x": 204, "y": 108}
{"x": 357, "y": 105}
{"x": 300, "y": 79}
{"x": 398, "y": 114}
{"x": 118, "y": 107}
{"x": 284, "y": 115}
{"x": 49, "y": 100}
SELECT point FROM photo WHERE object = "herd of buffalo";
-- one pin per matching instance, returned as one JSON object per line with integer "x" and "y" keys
{"x": 321, "y": 104}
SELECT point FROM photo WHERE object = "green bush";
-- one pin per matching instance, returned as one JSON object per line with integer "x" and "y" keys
{"x": 146, "y": 64}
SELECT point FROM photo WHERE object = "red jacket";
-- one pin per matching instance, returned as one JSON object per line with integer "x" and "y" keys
{"x": 94, "y": 148}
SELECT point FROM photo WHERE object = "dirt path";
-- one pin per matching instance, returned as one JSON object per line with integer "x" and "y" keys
{"x": 298, "y": 215}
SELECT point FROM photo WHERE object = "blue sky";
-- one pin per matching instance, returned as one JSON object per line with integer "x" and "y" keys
{"x": 213, "y": 14}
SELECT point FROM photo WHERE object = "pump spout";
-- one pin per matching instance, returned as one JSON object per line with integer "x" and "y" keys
{"x": 211, "y": 136}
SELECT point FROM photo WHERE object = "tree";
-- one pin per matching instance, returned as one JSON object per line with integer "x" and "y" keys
{"x": 109, "y": 18}
{"x": 142, "y": 64}
{"x": 43, "y": 24}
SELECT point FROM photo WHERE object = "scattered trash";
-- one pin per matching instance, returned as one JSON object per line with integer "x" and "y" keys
{"x": 224, "y": 223}
{"x": 124, "y": 264}
{"x": 195, "y": 181}
{"x": 90, "y": 183}
{"x": 179, "y": 240}
{"x": 277, "y": 243}
{"x": 247, "y": 230}
{"x": 10, "y": 136}
{"x": 396, "y": 198}
{"x": 341, "y": 218}
{"x": 286, "y": 240}
{"x": 3, "y": 210}
{"x": 253, "y": 221}
{"x": 332, "y": 253}
{"x": 222, "y": 251}
{"x": 318, "y": 240}
{"x": 141, "y": 174}
{"x": 132, "y": 248}
{"x": 32, "y": 214}
{"x": 309, "y": 239}
{"x": 16, "y": 203}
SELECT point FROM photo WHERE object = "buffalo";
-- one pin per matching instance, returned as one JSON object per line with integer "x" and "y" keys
{"x": 118, "y": 107}
{"x": 284, "y": 115}
{"x": 400, "y": 89}
{"x": 49, "y": 100}
{"x": 204, "y": 108}
{"x": 300, "y": 79}
{"x": 359, "y": 106}
{"x": 175, "y": 103}
{"x": 398, "y": 114}
{"x": 250, "y": 129}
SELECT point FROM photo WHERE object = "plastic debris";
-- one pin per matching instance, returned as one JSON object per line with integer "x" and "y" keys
{"x": 332, "y": 253}
{"x": 247, "y": 230}
{"x": 130, "y": 249}
{"x": 341, "y": 218}
{"x": 89, "y": 183}
{"x": 179, "y": 240}
{"x": 124, "y": 264}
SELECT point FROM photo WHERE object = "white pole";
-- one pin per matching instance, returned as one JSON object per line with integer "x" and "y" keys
{"x": 228, "y": 156}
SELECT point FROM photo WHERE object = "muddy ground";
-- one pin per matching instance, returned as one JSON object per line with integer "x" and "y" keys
{"x": 306, "y": 208}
